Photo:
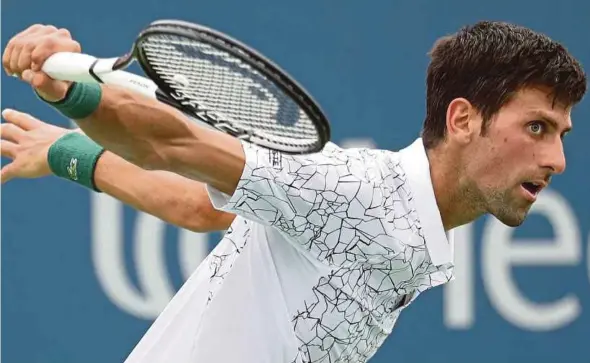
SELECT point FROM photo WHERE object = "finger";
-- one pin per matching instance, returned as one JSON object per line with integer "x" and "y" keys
{"x": 53, "y": 44}
{"x": 24, "y": 58}
{"x": 6, "y": 58}
{"x": 15, "y": 39}
{"x": 23, "y": 45}
{"x": 33, "y": 78}
{"x": 47, "y": 88}
{"x": 30, "y": 30}
{"x": 63, "y": 32}
{"x": 43, "y": 82}
{"x": 8, "y": 51}
{"x": 40, "y": 81}
{"x": 15, "y": 54}
{"x": 8, "y": 149}
{"x": 21, "y": 119}
{"x": 41, "y": 53}
{"x": 11, "y": 132}
{"x": 7, "y": 173}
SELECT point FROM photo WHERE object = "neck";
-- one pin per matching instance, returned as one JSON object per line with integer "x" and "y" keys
{"x": 454, "y": 197}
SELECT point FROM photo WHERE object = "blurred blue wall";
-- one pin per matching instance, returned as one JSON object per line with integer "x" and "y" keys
{"x": 83, "y": 277}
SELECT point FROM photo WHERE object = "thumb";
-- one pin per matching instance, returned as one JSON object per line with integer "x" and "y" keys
{"x": 7, "y": 173}
{"x": 47, "y": 88}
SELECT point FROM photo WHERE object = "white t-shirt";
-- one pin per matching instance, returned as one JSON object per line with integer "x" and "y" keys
{"x": 325, "y": 253}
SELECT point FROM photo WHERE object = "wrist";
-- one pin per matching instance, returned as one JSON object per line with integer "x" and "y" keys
{"x": 58, "y": 94}
{"x": 80, "y": 100}
{"x": 74, "y": 157}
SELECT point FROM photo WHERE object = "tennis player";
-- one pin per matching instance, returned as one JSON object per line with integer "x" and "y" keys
{"x": 328, "y": 248}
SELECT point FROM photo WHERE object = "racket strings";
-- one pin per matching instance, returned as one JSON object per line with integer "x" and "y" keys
{"x": 230, "y": 86}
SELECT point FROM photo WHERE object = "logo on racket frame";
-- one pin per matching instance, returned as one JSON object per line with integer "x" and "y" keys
{"x": 211, "y": 117}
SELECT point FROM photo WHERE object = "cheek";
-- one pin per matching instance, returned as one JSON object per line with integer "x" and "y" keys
{"x": 508, "y": 150}
{"x": 496, "y": 164}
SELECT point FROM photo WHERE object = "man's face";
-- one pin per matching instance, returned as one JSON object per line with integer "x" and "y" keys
{"x": 521, "y": 149}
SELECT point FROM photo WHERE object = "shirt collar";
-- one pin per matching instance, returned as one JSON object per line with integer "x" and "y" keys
{"x": 415, "y": 163}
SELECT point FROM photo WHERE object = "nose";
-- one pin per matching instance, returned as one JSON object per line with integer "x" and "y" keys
{"x": 555, "y": 157}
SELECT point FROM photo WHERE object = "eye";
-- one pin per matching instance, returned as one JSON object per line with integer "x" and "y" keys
{"x": 537, "y": 127}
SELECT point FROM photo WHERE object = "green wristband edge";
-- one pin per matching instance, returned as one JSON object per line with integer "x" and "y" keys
{"x": 81, "y": 100}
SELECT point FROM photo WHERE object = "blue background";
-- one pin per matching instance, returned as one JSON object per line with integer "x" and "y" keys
{"x": 365, "y": 63}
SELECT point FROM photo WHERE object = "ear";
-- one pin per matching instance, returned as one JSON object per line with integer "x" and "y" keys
{"x": 461, "y": 120}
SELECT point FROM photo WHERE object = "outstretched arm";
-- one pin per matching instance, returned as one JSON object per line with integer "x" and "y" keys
{"x": 177, "y": 200}
{"x": 157, "y": 137}
{"x": 170, "y": 197}
{"x": 140, "y": 130}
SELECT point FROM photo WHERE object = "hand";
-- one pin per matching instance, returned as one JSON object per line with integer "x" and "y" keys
{"x": 26, "y": 140}
{"x": 27, "y": 51}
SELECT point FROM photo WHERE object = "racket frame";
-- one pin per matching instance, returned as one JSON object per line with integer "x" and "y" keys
{"x": 223, "y": 42}
{"x": 85, "y": 68}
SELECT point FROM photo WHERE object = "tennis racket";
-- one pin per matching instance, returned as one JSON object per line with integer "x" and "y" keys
{"x": 214, "y": 79}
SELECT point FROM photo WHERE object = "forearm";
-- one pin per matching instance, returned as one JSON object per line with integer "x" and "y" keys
{"x": 170, "y": 197}
{"x": 152, "y": 135}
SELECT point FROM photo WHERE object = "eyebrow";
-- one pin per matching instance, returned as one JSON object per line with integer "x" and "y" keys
{"x": 542, "y": 115}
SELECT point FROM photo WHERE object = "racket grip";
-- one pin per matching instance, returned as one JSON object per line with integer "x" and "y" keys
{"x": 76, "y": 67}
{"x": 79, "y": 67}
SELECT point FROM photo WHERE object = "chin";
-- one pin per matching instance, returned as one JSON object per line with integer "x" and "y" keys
{"x": 511, "y": 222}
{"x": 508, "y": 210}
{"x": 513, "y": 219}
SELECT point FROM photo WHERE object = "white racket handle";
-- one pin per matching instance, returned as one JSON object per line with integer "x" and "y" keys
{"x": 79, "y": 67}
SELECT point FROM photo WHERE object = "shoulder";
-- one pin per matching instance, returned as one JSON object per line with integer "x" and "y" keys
{"x": 369, "y": 164}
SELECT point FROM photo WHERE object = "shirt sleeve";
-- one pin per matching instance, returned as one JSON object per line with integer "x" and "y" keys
{"x": 311, "y": 198}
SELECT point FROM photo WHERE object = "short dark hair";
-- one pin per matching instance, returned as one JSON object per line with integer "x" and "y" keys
{"x": 487, "y": 63}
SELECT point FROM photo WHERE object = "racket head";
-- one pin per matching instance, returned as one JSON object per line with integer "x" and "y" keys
{"x": 231, "y": 86}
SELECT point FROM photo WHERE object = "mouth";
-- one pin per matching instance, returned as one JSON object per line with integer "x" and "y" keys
{"x": 532, "y": 189}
